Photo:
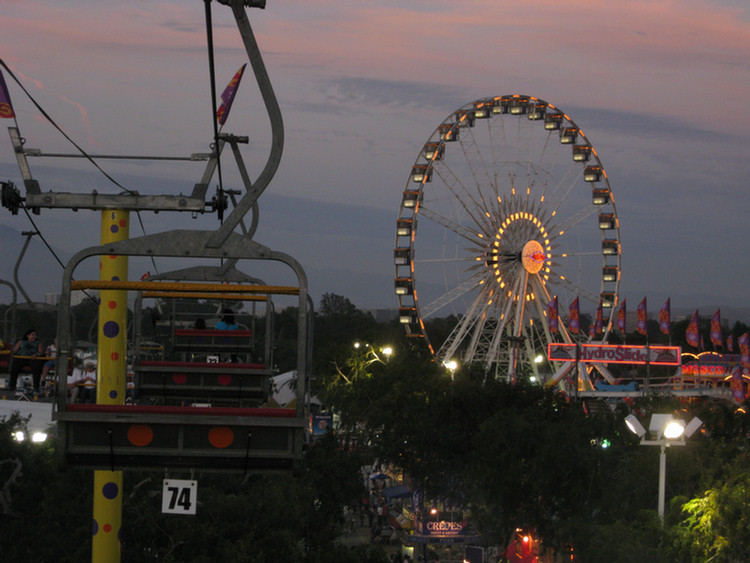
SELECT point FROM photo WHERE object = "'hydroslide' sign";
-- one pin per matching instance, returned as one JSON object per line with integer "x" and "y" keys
{"x": 613, "y": 354}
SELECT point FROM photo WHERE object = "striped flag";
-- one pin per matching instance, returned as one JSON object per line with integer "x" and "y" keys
{"x": 227, "y": 97}
{"x": 6, "y": 108}
{"x": 736, "y": 384}
{"x": 574, "y": 317}
{"x": 621, "y": 314}
{"x": 691, "y": 333}
{"x": 641, "y": 326}
{"x": 744, "y": 342}
{"x": 665, "y": 318}
{"x": 552, "y": 315}
{"x": 716, "y": 338}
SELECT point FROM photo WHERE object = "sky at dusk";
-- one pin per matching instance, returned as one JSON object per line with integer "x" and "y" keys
{"x": 661, "y": 89}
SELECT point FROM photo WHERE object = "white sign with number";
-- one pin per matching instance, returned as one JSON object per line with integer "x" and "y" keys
{"x": 179, "y": 496}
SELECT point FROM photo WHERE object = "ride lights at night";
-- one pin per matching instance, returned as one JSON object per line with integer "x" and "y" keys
{"x": 434, "y": 151}
{"x": 537, "y": 111}
{"x": 610, "y": 247}
{"x": 403, "y": 227}
{"x": 666, "y": 431}
{"x": 482, "y": 110}
{"x": 609, "y": 299}
{"x": 36, "y": 437}
{"x": 581, "y": 153}
{"x": 421, "y": 173}
{"x": 407, "y": 315}
{"x": 553, "y": 121}
{"x": 592, "y": 174}
{"x": 448, "y": 132}
{"x": 404, "y": 286}
{"x": 411, "y": 198}
{"x": 568, "y": 135}
{"x": 600, "y": 196}
{"x": 501, "y": 106}
{"x": 518, "y": 106}
{"x": 606, "y": 221}
{"x": 609, "y": 273}
{"x": 401, "y": 256}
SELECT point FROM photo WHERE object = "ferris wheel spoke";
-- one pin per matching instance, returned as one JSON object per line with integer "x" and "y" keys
{"x": 461, "y": 194}
{"x": 577, "y": 289}
{"x": 457, "y": 228}
{"x": 575, "y": 219}
{"x": 430, "y": 309}
{"x": 476, "y": 164}
{"x": 466, "y": 325}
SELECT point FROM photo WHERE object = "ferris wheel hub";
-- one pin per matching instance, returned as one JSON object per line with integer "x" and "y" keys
{"x": 533, "y": 257}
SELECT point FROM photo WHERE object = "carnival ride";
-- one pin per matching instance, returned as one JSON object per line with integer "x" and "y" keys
{"x": 207, "y": 415}
{"x": 507, "y": 206}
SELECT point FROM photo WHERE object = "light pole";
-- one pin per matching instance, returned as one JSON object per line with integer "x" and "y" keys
{"x": 666, "y": 431}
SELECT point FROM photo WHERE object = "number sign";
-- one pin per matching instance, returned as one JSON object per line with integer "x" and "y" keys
{"x": 179, "y": 496}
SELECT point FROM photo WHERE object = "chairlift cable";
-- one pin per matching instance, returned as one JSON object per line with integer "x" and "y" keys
{"x": 212, "y": 80}
{"x": 52, "y": 251}
{"x": 63, "y": 133}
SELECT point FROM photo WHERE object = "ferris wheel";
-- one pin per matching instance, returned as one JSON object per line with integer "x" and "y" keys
{"x": 507, "y": 206}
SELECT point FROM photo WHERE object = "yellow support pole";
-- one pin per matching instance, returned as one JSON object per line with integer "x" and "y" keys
{"x": 111, "y": 385}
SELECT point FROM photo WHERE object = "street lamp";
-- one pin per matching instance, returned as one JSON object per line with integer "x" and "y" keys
{"x": 666, "y": 431}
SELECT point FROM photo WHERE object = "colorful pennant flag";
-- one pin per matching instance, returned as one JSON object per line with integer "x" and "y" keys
{"x": 574, "y": 317}
{"x": 736, "y": 384}
{"x": 744, "y": 343}
{"x": 227, "y": 97}
{"x": 6, "y": 108}
{"x": 691, "y": 333}
{"x": 716, "y": 338}
{"x": 621, "y": 314}
{"x": 552, "y": 316}
{"x": 642, "y": 326}
{"x": 665, "y": 318}
{"x": 730, "y": 343}
{"x": 592, "y": 331}
{"x": 599, "y": 320}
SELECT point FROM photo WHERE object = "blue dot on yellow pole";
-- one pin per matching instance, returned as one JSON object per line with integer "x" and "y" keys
{"x": 110, "y": 490}
{"x": 111, "y": 329}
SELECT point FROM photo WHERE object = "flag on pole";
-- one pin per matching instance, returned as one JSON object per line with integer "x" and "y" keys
{"x": 716, "y": 338}
{"x": 691, "y": 334}
{"x": 6, "y": 108}
{"x": 736, "y": 384}
{"x": 552, "y": 315}
{"x": 227, "y": 97}
{"x": 592, "y": 331}
{"x": 621, "y": 313}
{"x": 730, "y": 343}
{"x": 641, "y": 326}
{"x": 574, "y": 320}
{"x": 744, "y": 342}
{"x": 665, "y": 318}
{"x": 599, "y": 320}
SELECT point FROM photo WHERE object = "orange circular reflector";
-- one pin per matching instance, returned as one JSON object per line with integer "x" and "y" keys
{"x": 140, "y": 435}
{"x": 220, "y": 436}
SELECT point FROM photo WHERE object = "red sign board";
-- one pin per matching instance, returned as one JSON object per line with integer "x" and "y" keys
{"x": 614, "y": 354}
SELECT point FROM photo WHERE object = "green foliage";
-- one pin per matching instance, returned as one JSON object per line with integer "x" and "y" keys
{"x": 716, "y": 526}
